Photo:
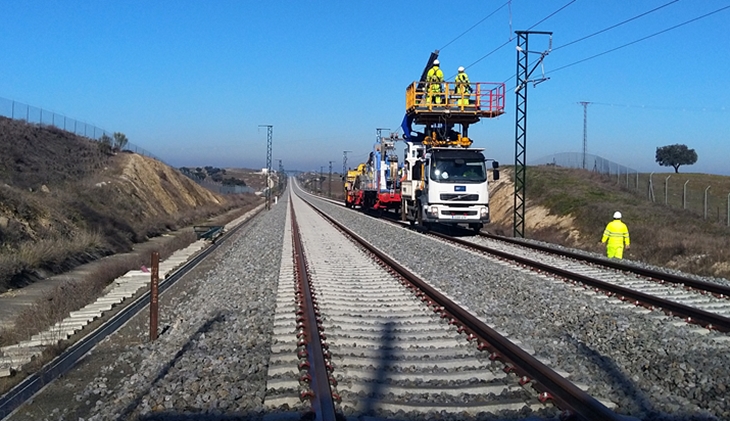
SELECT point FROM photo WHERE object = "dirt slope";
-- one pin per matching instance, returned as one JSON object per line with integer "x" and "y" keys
{"x": 537, "y": 217}
{"x": 64, "y": 201}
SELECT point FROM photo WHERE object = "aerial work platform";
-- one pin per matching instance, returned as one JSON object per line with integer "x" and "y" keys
{"x": 427, "y": 106}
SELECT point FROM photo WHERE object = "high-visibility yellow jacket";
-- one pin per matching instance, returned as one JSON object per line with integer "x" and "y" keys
{"x": 616, "y": 233}
{"x": 462, "y": 84}
{"x": 435, "y": 74}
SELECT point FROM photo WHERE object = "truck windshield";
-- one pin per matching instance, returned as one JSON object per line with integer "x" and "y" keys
{"x": 458, "y": 170}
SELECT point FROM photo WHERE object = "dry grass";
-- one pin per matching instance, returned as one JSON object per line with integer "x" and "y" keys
{"x": 661, "y": 235}
{"x": 70, "y": 296}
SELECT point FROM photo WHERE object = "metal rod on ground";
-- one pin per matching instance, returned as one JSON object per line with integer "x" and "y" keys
{"x": 154, "y": 283}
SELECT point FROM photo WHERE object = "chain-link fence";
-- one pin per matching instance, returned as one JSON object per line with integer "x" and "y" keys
{"x": 702, "y": 194}
{"x": 34, "y": 115}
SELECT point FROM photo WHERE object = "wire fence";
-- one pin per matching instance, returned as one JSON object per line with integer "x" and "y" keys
{"x": 705, "y": 195}
{"x": 33, "y": 115}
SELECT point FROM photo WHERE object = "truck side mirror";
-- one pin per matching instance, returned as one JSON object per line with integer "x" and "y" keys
{"x": 495, "y": 164}
{"x": 495, "y": 175}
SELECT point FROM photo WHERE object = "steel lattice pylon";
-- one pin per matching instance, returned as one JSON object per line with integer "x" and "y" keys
{"x": 523, "y": 78}
{"x": 269, "y": 141}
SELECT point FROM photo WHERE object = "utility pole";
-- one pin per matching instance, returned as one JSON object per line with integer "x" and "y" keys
{"x": 330, "y": 182}
{"x": 282, "y": 177}
{"x": 321, "y": 178}
{"x": 344, "y": 163}
{"x": 269, "y": 140}
{"x": 523, "y": 79}
{"x": 585, "y": 130}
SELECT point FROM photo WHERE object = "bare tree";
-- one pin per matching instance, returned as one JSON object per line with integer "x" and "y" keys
{"x": 120, "y": 140}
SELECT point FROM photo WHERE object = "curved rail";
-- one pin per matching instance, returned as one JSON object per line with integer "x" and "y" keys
{"x": 32, "y": 384}
{"x": 721, "y": 290}
{"x": 553, "y": 386}
{"x": 693, "y": 315}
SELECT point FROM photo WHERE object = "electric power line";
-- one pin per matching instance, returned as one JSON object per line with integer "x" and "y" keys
{"x": 477, "y": 24}
{"x": 641, "y": 39}
{"x": 616, "y": 25}
{"x": 510, "y": 40}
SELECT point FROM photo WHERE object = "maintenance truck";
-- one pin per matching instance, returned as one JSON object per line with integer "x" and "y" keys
{"x": 444, "y": 178}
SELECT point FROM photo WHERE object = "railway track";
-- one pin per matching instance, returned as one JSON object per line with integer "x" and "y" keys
{"x": 658, "y": 328}
{"x": 234, "y": 349}
{"x": 392, "y": 354}
{"x": 694, "y": 301}
{"x": 691, "y": 300}
{"x": 25, "y": 390}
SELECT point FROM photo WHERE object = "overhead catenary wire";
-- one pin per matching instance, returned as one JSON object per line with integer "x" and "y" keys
{"x": 640, "y": 39}
{"x": 615, "y": 25}
{"x": 510, "y": 40}
{"x": 477, "y": 24}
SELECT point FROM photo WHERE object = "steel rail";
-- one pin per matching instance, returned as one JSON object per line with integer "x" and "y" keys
{"x": 718, "y": 289}
{"x": 567, "y": 395}
{"x": 693, "y": 315}
{"x": 322, "y": 403}
{"x": 60, "y": 365}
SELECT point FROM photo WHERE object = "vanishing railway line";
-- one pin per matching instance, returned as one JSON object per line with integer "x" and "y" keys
{"x": 698, "y": 302}
{"x": 397, "y": 345}
{"x": 396, "y": 349}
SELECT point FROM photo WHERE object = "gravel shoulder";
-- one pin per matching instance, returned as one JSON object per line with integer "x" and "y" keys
{"x": 215, "y": 328}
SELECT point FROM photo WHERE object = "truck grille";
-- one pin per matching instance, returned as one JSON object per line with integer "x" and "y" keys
{"x": 456, "y": 197}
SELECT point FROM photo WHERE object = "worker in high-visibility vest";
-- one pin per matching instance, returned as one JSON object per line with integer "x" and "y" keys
{"x": 462, "y": 87}
{"x": 435, "y": 77}
{"x": 616, "y": 237}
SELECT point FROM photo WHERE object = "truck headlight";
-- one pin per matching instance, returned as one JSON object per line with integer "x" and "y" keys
{"x": 483, "y": 213}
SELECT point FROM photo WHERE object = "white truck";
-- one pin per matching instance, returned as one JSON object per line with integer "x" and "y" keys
{"x": 444, "y": 179}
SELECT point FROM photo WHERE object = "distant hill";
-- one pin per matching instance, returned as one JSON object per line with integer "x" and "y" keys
{"x": 64, "y": 200}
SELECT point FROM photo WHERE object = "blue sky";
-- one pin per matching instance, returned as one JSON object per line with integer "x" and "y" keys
{"x": 191, "y": 81}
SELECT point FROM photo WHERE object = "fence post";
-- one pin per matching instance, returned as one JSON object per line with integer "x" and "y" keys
{"x": 728, "y": 209}
{"x": 708, "y": 188}
{"x": 651, "y": 187}
{"x": 684, "y": 195}
{"x": 666, "y": 189}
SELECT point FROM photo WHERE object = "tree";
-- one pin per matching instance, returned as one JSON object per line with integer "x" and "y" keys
{"x": 675, "y": 156}
{"x": 105, "y": 144}
{"x": 120, "y": 140}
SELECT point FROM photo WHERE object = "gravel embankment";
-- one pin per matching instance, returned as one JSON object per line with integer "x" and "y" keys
{"x": 210, "y": 362}
{"x": 651, "y": 368}
{"x": 211, "y": 359}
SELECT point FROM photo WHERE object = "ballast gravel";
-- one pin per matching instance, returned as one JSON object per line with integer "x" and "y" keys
{"x": 653, "y": 367}
{"x": 210, "y": 361}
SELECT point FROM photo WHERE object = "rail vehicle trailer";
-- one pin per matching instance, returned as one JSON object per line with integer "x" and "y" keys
{"x": 445, "y": 179}
{"x": 352, "y": 199}
{"x": 377, "y": 185}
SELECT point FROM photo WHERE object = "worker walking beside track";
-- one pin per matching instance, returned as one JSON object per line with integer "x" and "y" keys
{"x": 616, "y": 236}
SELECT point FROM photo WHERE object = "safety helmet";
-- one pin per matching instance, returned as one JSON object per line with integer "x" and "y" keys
{"x": 461, "y": 69}
{"x": 436, "y": 62}
{"x": 617, "y": 215}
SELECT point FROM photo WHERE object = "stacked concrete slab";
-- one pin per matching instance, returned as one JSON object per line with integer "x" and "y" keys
{"x": 13, "y": 357}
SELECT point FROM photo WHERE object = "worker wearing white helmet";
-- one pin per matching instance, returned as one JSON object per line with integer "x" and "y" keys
{"x": 616, "y": 237}
{"x": 462, "y": 88}
{"x": 434, "y": 77}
